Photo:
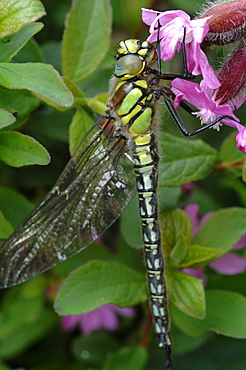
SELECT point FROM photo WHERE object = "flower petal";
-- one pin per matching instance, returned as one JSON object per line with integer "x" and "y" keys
{"x": 241, "y": 140}
{"x": 229, "y": 264}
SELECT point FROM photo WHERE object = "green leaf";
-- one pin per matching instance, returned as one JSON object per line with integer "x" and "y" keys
{"x": 4, "y": 367}
{"x": 98, "y": 283}
{"x": 31, "y": 53}
{"x": 197, "y": 256}
{"x": 23, "y": 318}
{"x": 244, "y": 171}
{"x": 42, "y": 79}
{"x": 174, "y": 224}
{"x": 130, "y": 358}
{"x": 99, "y": 103}
{"x": 19, "y": 150}
{"x": 184, "y": 160}
{"x": 97, "y": 344}
{"x": 14, "y": 14}
{"x": 130, "y": 224}
{"x": 5, "y": 227}
{"x": 179, "y": 251}
{"x": 86, "y": 38}
{"x": 79, "y": 96}
{"x": 225, "y": 315}
{"x": 21, "y": 102}
{"x": 184, "y": 343}
{"x": 79, "y": 127}
{"x": 14, "y": 206}
{"x": 186, "y": 292}
{"x": 6, "y": 118}
{"x": 228, "y": 150}
{"x": 27, "y": 335}
{"x": 10, "y": 45}
{"x": 168, "y": 197}
{"x": 222, "y": 230}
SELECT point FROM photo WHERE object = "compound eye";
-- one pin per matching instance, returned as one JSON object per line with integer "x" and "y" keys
{"x": 128, "y": 66}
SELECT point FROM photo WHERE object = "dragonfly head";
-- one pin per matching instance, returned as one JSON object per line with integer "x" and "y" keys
{"x": 133, "y": 57}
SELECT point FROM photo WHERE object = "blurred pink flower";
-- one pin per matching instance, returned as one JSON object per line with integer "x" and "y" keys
{"x": 104, "y": 317}
{"x": 230, "y": 263}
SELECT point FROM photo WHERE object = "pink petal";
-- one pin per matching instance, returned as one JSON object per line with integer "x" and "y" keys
{"x": 241, "y": 244}
{"x": 200, "y": 29}
{"x": 125, "y": 311}
{"x": 192, "y": 210}
{"x": 69, "y": 322}
{"x": 229, "y": 264}
{"x": 149, "y": 15}
{"x": 198, "y": 96}
{"x": 164, "y": 18}
{"x": 90, "y": 321}
{"x": 241, "y": 140}
{"x": 198, "y": 273}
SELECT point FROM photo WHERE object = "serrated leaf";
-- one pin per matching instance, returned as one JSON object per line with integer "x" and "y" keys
{"x": 6, "y": 118}
{"x": 10, "y": 45}
{"x": 41, "y": 79}
{"x": 222, "y": 230}
{"x": 98, "y": 283}
{"x": 225, "y": 315}
{"x": 186, "y": 292}
{"x": 184, "y": 160}
{"x": 197, "y": 256}
{"x": 5, "y": 227}
{"x": 178, "y": 252}
{"x": 14, "y": 14}
{"x": 174, "y": 224}
{"x": 86, "y": 38}
{"x": 19, "y": 150}
{"x": 80, "y": 125}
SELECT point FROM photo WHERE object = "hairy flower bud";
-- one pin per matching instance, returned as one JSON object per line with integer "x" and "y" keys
{"x": 227, "y": 22}
{"x": 232, "y": 76}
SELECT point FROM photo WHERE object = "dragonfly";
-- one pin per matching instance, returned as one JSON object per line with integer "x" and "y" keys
{"x": 117, "y": 156}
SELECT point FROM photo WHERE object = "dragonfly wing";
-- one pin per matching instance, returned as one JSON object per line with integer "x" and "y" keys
{"x": 89, "y": 196}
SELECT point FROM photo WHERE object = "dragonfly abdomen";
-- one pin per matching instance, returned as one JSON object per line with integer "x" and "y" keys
{"x": 145, "y": 158}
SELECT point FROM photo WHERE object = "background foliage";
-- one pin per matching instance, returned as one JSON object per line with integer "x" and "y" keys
{"x": 40, "y": 113}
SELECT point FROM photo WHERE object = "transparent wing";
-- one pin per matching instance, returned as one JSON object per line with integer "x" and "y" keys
{"x": 89, "y": 196}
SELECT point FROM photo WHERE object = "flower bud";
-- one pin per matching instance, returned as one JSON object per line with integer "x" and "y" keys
{"x": 232, "y": 76}
{"x": 227, "y": 22}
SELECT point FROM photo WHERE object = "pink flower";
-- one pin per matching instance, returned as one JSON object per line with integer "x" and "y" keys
{"x": 230, "y": 263}
{"x": 201, "y": 97}
{"x": 241, "y": 140}
{"x": 171, "y": 35}
{"x": 104, "y": 317}
{"x": 210, "y": 109}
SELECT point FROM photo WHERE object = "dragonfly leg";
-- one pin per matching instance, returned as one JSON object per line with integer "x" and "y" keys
{"x": 178, "y": 120}
{"x": 186, "y": 75}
